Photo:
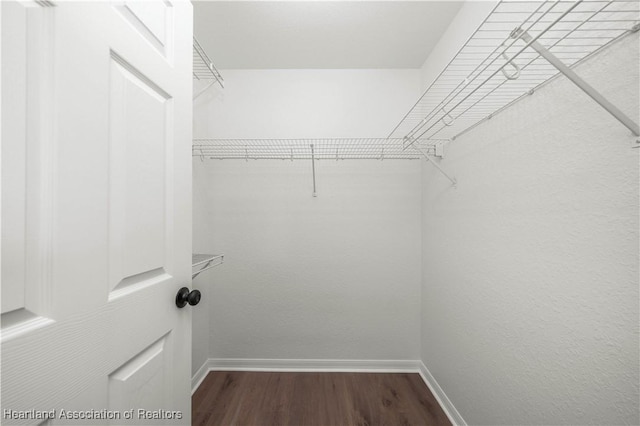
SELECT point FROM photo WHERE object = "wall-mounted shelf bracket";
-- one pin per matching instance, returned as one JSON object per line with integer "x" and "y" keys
{"x": 439, "y": 148}
{"x": 432, "y": 161}
{"x": 202, "y": 262}
{"x": 577, "y": 80}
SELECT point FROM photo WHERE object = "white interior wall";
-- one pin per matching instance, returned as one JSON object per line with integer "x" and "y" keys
{"x": 332, "y": 277}
{"x": 306, "y": 104}
{"x": 530, "y": 266}
{"x": 462, "y": 26}
{"x": 206, "y": 281}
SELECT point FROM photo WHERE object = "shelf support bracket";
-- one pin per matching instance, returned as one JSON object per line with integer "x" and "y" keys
{"x": 578, "y": 81}
{"x": 313, "y": 170}
{"x": 454, "y": 182}
{"x": 197, "y": 95}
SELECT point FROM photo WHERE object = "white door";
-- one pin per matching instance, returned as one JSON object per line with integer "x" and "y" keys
{"x": 96, "y": 211}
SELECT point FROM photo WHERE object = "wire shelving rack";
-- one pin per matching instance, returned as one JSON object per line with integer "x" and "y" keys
{"x": 204, "y": 262}
{"x": 203, "y": 68}
{"x": 301, "y": 149}
{"x": 519, "y": 46}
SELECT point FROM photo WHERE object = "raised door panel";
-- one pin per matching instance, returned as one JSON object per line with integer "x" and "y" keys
{"x": 14, "y": 23}
{"x": 153, "y": 21}
{"x": 26, "y": 166}
{"x": 140, "y": 136}
{"x": 142, "y": 386}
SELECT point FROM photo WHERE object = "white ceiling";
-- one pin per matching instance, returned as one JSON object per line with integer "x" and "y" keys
{"x": 320, "y": 34}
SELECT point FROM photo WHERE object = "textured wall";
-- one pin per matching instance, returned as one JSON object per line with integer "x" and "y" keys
{"x": 337, "y": 276}
{"x": 530, "y": 280}
{"x": 467, "y": 20}
{"x": 306, "y": 104}
{"x": 205, "y": 282}
{"x": 332, "y": 277}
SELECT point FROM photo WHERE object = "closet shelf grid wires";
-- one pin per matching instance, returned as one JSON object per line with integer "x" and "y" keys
{"x": 303, "y": 149}
{"x": 203, "y": 68}
{"x": 300, "y": 149}
{"x": 520, "y": 45}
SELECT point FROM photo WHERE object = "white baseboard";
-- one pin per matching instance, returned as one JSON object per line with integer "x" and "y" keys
{"x": 302, "y": 365}
{"x": 199, "y": 376}
{"x": 315, "y": 365}
{"x": 446, "y": 404}
{"x": 332, "y": 365}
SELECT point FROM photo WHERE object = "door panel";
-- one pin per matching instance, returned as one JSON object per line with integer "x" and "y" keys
{"x": 103, "y": 208}
{"x": 140, "y": 121}
{"x": 153, "y": 20}
{"x": 26, "y": 166}
{"x": 143, "y": 382}
{"x": 14, "y": 162}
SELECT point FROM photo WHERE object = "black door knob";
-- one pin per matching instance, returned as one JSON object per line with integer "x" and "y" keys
{"x": 185, "y": 296}
{"x": 194, "y": 297}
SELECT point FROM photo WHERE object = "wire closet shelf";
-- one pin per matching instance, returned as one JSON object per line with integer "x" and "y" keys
{"x": 501, "y": 62}
{"x": 203, "y": 68}
{"x": 204, "y": 262}
{"x": 303, "y": 149}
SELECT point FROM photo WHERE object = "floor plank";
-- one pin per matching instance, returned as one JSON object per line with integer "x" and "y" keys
{"x": 314, "y": 399}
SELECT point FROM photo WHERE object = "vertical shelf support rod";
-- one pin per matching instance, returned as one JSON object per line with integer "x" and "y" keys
{"x": 578, "y": 81}
{"x": 313, "y": 170}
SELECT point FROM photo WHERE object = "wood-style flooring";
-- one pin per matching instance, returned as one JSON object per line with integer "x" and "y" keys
{"x": 323, "y": 399}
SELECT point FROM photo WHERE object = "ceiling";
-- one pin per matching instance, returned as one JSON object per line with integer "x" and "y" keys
{"x": 320, "y": 34}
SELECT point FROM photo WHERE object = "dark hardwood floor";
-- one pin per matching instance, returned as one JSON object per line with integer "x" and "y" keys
{"x": 323, "y": 399}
